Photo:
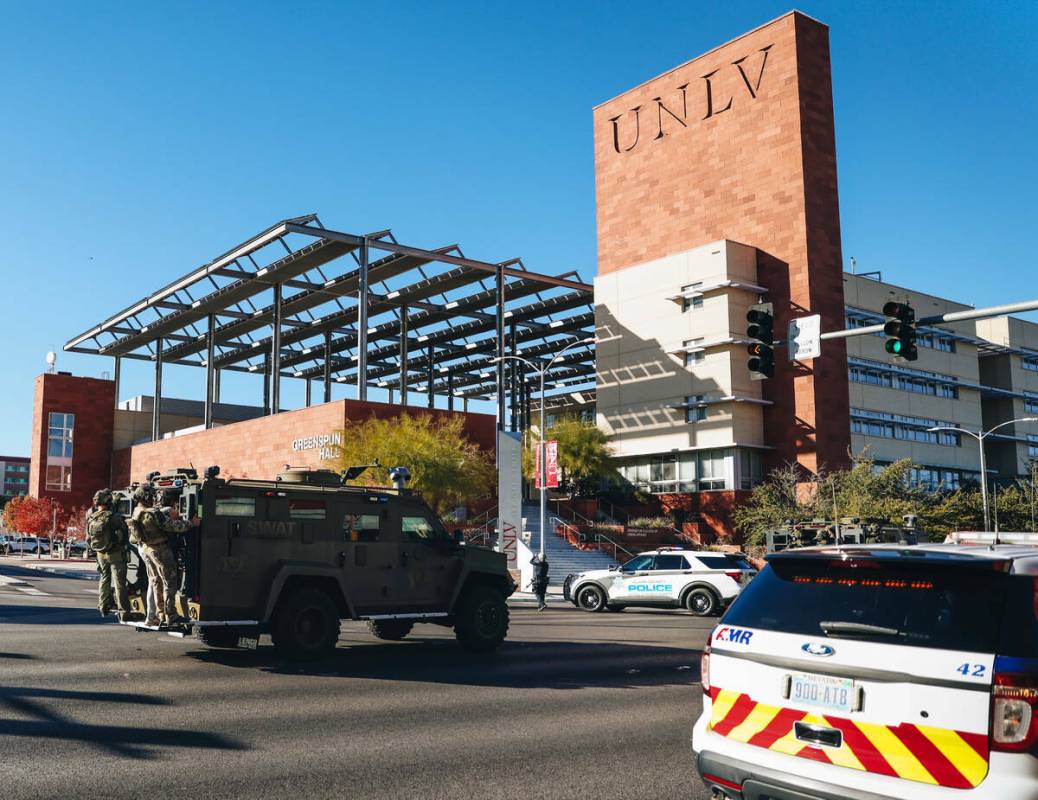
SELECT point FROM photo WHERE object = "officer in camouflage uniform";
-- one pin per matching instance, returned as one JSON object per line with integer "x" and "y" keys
{"x": 150, "y": 530}
{"x": 108, "y": 536}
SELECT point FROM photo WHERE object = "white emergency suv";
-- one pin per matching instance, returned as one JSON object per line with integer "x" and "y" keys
{"x": 874, "y": 672}
{"x": 703, "y": 581}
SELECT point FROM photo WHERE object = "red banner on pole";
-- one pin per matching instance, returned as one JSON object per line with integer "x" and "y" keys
{"x": 551, "y": 465}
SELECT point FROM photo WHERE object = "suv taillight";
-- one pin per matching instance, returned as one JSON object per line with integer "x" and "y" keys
{"x": 704, "y": 669}
{"x": 1014, "y": 705}
{"x": 735, "y": 576}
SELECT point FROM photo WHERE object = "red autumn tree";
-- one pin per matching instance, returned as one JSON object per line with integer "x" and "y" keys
{"x": 35, "y": 516}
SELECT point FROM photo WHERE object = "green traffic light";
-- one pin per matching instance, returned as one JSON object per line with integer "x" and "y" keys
{"x": 895, "y": 346}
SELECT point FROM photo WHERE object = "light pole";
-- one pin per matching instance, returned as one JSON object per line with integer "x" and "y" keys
{"x": 980, "y": 437}
{"x": 541, "y": 371}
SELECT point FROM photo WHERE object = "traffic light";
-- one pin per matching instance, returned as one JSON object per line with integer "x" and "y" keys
{"x": 900, "y": 328}
{"x": 761, "y": 329}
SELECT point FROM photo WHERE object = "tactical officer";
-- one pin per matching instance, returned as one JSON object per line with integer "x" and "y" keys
{"x": 539, "y": 582}
{"x": 150, "y": 530}
{"x": 108, "y": 535}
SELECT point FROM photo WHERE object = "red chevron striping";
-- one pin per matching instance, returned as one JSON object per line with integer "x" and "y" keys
{"x": 935, "y": 762}
{"x": 736, "y": 714}
{"x": 777, "y": 728}
{"x": 815, "y": 754}
{"x": 863, "y": 749}
{"x": 978, "y": 741}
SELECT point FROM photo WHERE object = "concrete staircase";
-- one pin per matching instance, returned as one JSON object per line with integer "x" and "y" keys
{"x": 563, "y": 558}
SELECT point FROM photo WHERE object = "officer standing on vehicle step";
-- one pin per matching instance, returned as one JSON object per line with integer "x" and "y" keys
{"x": 108, "y": 535}
{"x": 539, "y": 582}
{"x": 150, "y": 530}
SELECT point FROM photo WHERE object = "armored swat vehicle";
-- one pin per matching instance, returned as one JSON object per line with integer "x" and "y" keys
{"x": 850, "y": 530}
{"x": 293, "y": 556}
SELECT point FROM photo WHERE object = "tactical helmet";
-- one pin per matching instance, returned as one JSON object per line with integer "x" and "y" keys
{"x": 144, "y": 494}
{"x": 103, "y": 497}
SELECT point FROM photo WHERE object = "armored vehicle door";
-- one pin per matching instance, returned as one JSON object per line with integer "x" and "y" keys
{"x": 429, "y": 560}
{"x": 369, "y": 552}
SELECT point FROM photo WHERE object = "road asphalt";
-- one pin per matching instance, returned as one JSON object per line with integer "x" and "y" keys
{"x": 574, "y": 705}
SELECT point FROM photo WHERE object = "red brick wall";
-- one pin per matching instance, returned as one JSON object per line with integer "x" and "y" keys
{"x": 715, "y": 510}
{"x": 259, "y": 448}
{"x": 93, "y": 402}
{"x": 752, "y": 159}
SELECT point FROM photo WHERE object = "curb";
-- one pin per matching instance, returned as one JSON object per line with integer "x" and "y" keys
{"x": 65, "y": 573}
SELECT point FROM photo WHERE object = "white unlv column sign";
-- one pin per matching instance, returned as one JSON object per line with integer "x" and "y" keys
{"x": 509, "y": 493}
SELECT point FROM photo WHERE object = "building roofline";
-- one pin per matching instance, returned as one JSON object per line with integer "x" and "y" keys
{"x": 791, "y": 13}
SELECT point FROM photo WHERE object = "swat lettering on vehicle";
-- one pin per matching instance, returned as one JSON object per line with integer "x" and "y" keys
{"x": 650, "y": 587}
{"x": 733, "y": 635}
{"x": 265, "y": 529}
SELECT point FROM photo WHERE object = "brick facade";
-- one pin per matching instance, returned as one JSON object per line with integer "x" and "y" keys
{"x": 739, "y": 144}
{"x": 93, "y": 402}
{"x": 260, "y": 448}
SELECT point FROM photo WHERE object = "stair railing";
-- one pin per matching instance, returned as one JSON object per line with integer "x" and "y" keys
{"x": 598, "y": 538}
{"x": 570, "y": 533}
{"x": 574, "y": 516}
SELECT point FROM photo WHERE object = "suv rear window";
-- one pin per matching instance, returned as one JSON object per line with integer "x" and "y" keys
{"x": 938, "y": 606}
{"x": 723, "y": 561}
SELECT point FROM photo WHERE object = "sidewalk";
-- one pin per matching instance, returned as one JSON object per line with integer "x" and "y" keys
{"x": 68, "y": 568}
{"x": 553, "y": 597}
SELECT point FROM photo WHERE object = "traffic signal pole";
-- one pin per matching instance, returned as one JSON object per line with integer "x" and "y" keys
{"x": 952, "y": 316}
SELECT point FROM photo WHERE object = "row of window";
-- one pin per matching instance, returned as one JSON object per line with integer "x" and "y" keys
{"x": 355, "y": 527}
{"x": 1032, "y": 445}
{"x": 905, "y": 428}
{"x": 58, "y": 473}
{"x": 934, "y": 341}
{"x": 1029, "y": 363}
{"x": 9, "y": 468}
{"x": 880, "y": 376}
{"x": 703, "y": 470}
{"x": 1031, "y": 403}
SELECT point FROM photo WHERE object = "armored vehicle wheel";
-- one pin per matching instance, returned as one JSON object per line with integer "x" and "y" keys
{"x": 614, "y": 607}
{"x": 591, "y": 598}
{"x": 305, "y": 625}
{"x": 481, "y": 619}
{"x": 390, "y": 629}
{"x": 219, "y": 636}
{"x": 702, "y": 601}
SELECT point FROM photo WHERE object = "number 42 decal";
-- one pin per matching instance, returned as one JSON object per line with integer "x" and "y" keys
{"x": 972, "y": 670}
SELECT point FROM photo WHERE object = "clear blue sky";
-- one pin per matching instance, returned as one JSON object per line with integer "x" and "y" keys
{"x": 141, "y": 140}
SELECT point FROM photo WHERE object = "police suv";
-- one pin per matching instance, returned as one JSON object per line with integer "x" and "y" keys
{"x": 874, "y": 672}
{"x": 704, "y": 582}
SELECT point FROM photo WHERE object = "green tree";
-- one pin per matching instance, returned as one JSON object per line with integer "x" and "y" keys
{"x": 446, "y": 467}
{"x": 585, "y": 458}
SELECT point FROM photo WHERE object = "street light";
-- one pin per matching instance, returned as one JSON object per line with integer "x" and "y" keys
{"x": 980, "y": 437}
{"x": 541, "y": 373}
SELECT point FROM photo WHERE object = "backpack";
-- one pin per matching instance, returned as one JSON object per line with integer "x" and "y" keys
{"x": 99, "y": 529}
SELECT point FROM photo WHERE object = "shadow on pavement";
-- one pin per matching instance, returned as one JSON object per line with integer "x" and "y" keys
{"x": 51, "y": 615}
{"x": 530, "y": 665}
{"x": 131, "y": 741}
{"x": 18, "y": 656}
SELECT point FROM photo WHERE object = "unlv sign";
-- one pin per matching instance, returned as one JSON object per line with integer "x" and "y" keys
{"x": 708, "y": 101}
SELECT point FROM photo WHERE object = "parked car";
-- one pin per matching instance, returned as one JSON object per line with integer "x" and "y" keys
{"x": 5, "y": 544}
{"x": 28, "y": 544}
{"x": 705, "y": 582}
{"x": 879, "y": 672}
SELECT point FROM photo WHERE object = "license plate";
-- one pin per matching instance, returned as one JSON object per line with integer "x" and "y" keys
{"x": 823, "y": 691}
{"x": 247, "y": 642}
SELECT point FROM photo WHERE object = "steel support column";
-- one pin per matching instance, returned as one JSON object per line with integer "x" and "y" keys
{"x": 404, "y": 319}
{"x": 216, "y": 385}
{"x": 275, "y": 353}
{"x": 500, "y": 339}
{"x": 307, "y": 400}
{"x": 327, "y": 366}
{"x": 513, "y": 371}
{"x": 450, "y": 391}
{"x": 116, "y": 375}
{"x": 362, "y": 324}
{"x": 266, "y": 384}
{"x": 210, "y": 352}
{"x": 526, "y": 403}
{"x": 156, "y": 405}
{"x": 430, "y": 377}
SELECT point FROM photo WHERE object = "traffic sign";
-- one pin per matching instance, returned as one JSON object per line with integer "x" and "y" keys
{"x": 804, "y": 339}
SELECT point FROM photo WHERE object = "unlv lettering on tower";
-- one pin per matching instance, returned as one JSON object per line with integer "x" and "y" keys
{"x": 665, "y": 117}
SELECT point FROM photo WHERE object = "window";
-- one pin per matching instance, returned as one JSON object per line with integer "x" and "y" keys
{"x": 1031, "y": 402}
{"x": 1032, "y": 445}
{"x": 307, "y": 509}
{"x": 694, "y": 413}
{"x": 711, "y": 470}
{"x": 360, "y": 527}
{"x": 638, "y": 564}
{"x": 235, "y": 506}
{"x": 916, "y": 381}
{"x": 750, "y": 473}
{"x": 1029, "y": 363}
{"x": 694, "y": 356}
{"x": 906, "y": 428}
{"x": 670, "y": 562}
{"x": 691, "y": 302}
{"x": 59, "y": 451}
{"x": 723, "y": 561}
{"x": 418, "y": 528}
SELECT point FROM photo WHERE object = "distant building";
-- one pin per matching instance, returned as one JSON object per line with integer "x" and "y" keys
{"x": 14, "y": 476}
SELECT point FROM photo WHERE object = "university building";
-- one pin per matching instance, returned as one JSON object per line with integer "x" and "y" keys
{"x": 715, "y": 189}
